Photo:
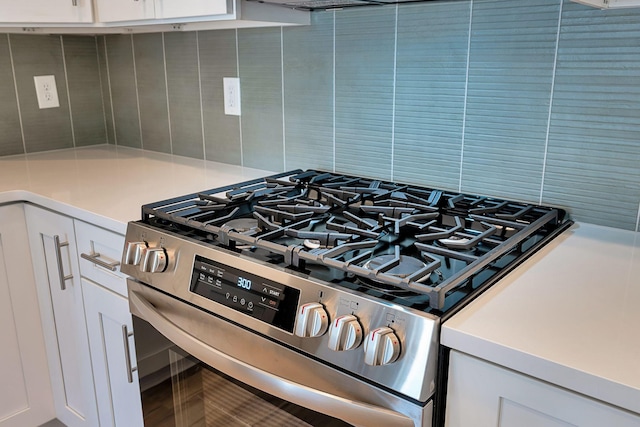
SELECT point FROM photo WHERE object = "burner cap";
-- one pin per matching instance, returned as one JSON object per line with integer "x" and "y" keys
{"x": 243, "y": 225}
{"x": 407, "y": 266}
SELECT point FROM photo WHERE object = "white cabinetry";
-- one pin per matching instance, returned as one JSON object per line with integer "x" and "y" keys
{"x": 124, "y": 10}
{"x": 483, "y": 394}
{"x": 46, "y": 11}
{"x": 166, "y": 9}
{"x": 109, "y": 327}
{"x": 56, "y": 270}
{"x": 135, "y": 10}
{"x": 25, "y": 389}
{"x": 609, "y": 4}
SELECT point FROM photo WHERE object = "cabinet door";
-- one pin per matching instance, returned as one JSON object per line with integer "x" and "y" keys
{"x": 25, "y": 389}
{"x": 46, "y": 11}
{"x": 166, "y": 9}
{"x": 54, "y": 254}
{"x": 124, "y": 10}
{"x": 482, "y": 394}
{"x": 113, "y": 356}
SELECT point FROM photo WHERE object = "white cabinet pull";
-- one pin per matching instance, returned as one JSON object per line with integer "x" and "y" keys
{"x": 127, "y": 353}
{"x": 95, "y": 258}
{"x": 61, "y": 276}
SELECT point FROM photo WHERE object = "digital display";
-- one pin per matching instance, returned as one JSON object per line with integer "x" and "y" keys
{"x": 253, "y": 295}
{"x": 244, "y": 283}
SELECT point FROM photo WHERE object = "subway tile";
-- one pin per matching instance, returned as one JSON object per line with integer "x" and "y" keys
{"x": 183, "y": 86}
{"x": 511, "y": 61}
{"x": 365, "y": 43}
{"x": 430, "y": 93}
{"x": 594, "y": 151}
{"x": 152, "y": 91}
{"x": 49, "y": 128}
{"x": 308, "y": 93}
{"x": 218, "y": 59}
{"x": 105, "y": 86}
{"x": 123, "y": 90}
{"x": 83, "y": 74}
{"x": 261, "y": 91}
{"x": 11, "y": 141}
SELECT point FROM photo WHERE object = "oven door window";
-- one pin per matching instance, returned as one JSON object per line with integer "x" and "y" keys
{"x": 179, "y": 390}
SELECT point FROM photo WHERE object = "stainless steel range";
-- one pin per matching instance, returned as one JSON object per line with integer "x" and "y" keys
{"x": 317, "y": 294}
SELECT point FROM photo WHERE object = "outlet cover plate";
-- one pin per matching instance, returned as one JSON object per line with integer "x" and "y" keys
{"x": 231, "y": 96}
{"x": 46, "y": 91}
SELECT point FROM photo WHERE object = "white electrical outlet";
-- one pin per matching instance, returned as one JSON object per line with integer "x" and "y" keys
{"x": 46, "y": 91}
{"x": 231, "y": 95}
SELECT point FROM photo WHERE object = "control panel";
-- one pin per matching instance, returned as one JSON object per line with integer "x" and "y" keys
{"x": 253, "y": 295}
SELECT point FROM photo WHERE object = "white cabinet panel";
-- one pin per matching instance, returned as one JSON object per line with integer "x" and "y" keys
{"x": 124, "y": 10}
{"x": 113, "y": 356}
{"x": 482, "y": 394}
{"x": 166, "y": 9}
{"x": 25, "y": 389}
{"x": 54, "y": 254}
{"x": 46, "y": 11}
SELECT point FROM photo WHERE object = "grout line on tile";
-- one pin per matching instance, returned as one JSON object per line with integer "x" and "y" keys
{"x": 204, "y": 145}
{"x": 104, "y": 110}
{"x": 135, "y": 80}
{"x": 284, "y": 128}
{"x": 393, "y": 103}
{"x": 466, "y": 92}
{"x": 15, "y": 86}
{"x": 166, "y": 88}
{"x": 113, "y": 114}
{"x": 638, "y": 219}
{"x": 66, "y": 83}
{"x": 240, "y": 116}
{"x": 334, "y": 91}
{"x": 551, "y": 94}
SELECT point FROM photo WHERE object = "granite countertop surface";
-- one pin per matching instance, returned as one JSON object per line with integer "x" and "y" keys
{"x": 570, "y": 315}
{"x": 106, "y": 184}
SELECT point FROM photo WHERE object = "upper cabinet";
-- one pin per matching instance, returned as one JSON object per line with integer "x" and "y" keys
{"x": 609, "y": 4}
{"x": 131, "y": 16}
{"x": 46, "y": 11}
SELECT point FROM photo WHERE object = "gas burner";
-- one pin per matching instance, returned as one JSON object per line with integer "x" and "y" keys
{"x": 454, "y": 241}
{"x": 243, "y": 225}
{"x": 406, "y": 265}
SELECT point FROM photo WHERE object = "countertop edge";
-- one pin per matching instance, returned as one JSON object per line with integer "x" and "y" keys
{"x": 24, "y": 196}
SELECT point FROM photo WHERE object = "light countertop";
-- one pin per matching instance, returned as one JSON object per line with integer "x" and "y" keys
{"x": 570, "y": 316}
{"x": 106, "y": 185}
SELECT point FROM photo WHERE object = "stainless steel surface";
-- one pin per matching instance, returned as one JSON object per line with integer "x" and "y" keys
{"x": 127, "y": 353}
{"x": 59, "y": 245}
{"x": 95, "y": 258}
{"x": 412, "y": 374}
{"x": 275, "y": 369}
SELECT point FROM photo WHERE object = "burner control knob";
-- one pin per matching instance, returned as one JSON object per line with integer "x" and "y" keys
{"x": 154, "y": 260}
{"x": 381, "y": 347}
{"x": 134, "y": 252}
{"x": 345, "y": 333}
{"x": 313, "y": 320}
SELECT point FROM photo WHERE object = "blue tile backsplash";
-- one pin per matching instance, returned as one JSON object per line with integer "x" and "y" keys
{"x": 536, "y": 101}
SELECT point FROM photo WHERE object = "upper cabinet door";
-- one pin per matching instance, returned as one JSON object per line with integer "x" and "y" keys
{"x": 46, "y": 11}
{"x": 124, "y": 10}
{"x": 166, "y": 9}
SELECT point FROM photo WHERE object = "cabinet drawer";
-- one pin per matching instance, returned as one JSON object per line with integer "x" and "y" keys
{"x": 100, "y": 252}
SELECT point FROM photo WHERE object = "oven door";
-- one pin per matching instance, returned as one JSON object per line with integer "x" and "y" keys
{"x": 197, "y": 369}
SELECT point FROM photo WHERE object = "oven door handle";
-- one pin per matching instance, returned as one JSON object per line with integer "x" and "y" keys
{"x": 353, "y": 412}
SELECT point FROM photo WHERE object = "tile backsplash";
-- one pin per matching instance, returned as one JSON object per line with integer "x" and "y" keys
{"x": 536, "y": 101}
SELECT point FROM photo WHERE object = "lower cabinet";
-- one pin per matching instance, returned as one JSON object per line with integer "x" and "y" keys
{"x": 57, "y": 274}
{"x": 25, "y": 389}
{"x": 113, "y": 356}
{"x": 483, "y": 394}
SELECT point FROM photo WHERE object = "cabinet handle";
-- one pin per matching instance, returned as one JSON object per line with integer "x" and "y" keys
{"x": 59, "y": 246}
{"x": 74, "y": 2}
{"x": 95, "y": 258}
{"x": 127, "y": 353}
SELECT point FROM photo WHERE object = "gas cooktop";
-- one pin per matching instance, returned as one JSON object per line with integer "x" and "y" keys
{"x": 419, "y": 247}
